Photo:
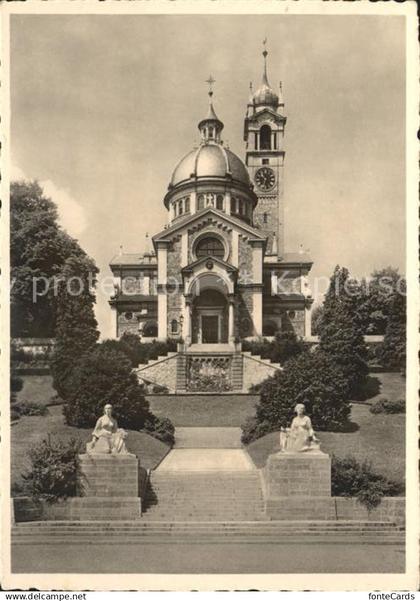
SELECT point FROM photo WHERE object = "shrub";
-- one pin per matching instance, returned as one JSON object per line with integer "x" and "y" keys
{"x": 141, "y": 352}
{"x": 105, "y": 376}
{"x": 284, "y": 347}
{"x": 313, "y": 378}
{"x": 30, "y": 408}
{"x": 369, "y": 388}
{"x": 54, "y": 470}
{"x": 158, "y": 389}
{"x": 252, "y": 429}
{"x": 16, "y": 383}
{"x": 160, "y": 428}
{"x": 14, "y": 414}
{"x": 349, "y": 478}
{"x": 384, "y": 405}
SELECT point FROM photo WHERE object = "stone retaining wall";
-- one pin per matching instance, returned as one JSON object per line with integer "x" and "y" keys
{"x": 162, "y": 372}
{"x": 255, "y": 371}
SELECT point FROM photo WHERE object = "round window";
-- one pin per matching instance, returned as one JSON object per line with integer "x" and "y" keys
{"x": 210, "y": 247}
{"x": 128, "y": 315}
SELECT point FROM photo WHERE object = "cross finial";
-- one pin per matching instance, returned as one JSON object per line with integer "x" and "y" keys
{"x": 210, "y": 81}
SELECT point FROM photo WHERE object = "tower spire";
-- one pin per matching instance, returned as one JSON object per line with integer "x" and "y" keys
{"x": 265, "y": 95}
{"x": 265, "y": 53}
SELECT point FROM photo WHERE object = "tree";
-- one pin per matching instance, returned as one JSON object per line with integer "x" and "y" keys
{"x": 39, "y": 249}
{"x": 392, "y": 352}
{"x": 76, "y": 326}
{"x": 341, "y": 334}
{"x": 316, "y": 318}
{"x": 104, "y": 375}
{"x": 378, "y": 290}
{"x": 285, "y": 346}
{"x": 312, "y": 378}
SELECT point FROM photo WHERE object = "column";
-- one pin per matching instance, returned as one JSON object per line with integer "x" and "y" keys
{"x": 187, "y": 322}
{"x": 231, "y": 334}
{"x": 193, "y": 202}
{"x": 184, "y": 249}
{"x": 274, "y": 283}
{"x": 257, "y": 272}
{"x": 114, "y": 322}
{"x": 235, "y": 248}
{"x": 257, "y": 311}
{"x": 308, "y": 321}
{"x": 162, "y": 259}
{"x": 227, "y": 203}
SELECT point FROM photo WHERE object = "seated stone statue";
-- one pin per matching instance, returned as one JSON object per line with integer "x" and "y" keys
{"x": 300, "y": 436}
{"x": 107, "y": 438}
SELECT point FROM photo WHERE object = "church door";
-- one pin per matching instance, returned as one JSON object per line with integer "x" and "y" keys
{"x": 210, "y": 329}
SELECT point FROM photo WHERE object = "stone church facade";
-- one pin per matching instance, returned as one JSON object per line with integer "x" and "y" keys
{"x": 218, "y": 272}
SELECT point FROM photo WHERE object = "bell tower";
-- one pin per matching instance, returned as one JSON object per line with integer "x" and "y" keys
{"x": 263, "y": 133}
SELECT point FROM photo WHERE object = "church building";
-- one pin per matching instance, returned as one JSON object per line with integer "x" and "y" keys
{"x": 218, "y": 272}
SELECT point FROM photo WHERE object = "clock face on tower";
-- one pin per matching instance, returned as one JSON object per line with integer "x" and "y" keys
{"x": 265, "y": 178}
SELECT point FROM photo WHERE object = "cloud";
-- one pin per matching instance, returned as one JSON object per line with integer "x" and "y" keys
{"x": 71, "y": 214}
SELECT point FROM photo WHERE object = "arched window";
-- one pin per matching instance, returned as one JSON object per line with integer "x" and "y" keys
{"x": 265, "y": 218}
{"x": 187, "y": 204}
{"x": 219, "y": 202}
{"x": 210, "y": 132}
{"x": 150, "y": 329}
{"x": 174, "y": 326}
{"x": 181, "y": 207}
{"x": 265, "y": 137}
{"x": 201, "y": 201}
{"x": 233, "y": 205}
{"x": 269, "y": 328}
{"x": 210, "y": 247}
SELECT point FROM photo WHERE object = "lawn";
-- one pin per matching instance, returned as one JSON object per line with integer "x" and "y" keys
{"x": 201, "y": 410}
{"x": 379, "y": 438}
{"x": 37, "y": 389}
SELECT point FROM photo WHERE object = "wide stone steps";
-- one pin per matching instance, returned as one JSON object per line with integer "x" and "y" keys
{"x": 208, "y": 438}
{"x": 204, "y": 496}
{"x": 222, "y": 532}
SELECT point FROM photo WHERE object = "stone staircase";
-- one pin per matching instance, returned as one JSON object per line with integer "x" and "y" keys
{"x": 141, "y": 531}
{"x": 261, "y": 360}
{"x": 204, "y": 497}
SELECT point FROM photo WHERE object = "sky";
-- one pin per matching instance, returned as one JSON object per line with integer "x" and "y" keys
{"x": 103, "y": 107}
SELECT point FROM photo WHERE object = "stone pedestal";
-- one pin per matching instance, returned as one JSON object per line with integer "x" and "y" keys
{"x": 298, "y": 486}
{"x": 110, "y": 488}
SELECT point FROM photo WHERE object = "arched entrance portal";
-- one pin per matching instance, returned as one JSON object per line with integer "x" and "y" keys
{"x": 210, "y": 317}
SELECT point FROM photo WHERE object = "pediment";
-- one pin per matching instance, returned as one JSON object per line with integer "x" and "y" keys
{"x": 208, "y": 217}
{"x": 266, "y": 115}
{"x": 209, "y": 263}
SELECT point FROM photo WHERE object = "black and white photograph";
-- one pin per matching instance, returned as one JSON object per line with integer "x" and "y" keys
{"x": 209, "y": 247}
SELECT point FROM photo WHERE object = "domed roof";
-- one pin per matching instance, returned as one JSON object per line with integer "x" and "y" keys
{"x": 210, "y": 160}
{"x": 265, "y": 95}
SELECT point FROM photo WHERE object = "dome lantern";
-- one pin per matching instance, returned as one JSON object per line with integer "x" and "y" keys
{"x": 211, "y": 126}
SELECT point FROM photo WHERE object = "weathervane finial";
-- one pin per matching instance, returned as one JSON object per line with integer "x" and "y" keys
{"x": 210, "y": 81}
